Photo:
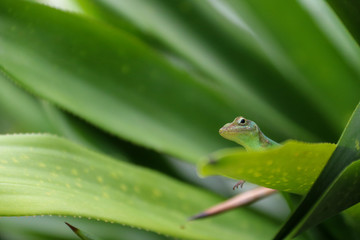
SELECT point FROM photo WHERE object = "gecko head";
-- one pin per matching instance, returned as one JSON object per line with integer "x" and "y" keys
{"x": 242, "y": 131}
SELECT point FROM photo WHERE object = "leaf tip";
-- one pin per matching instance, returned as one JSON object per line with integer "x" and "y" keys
{"x": 198, "y": 216}
{"x": 74, "y": 229}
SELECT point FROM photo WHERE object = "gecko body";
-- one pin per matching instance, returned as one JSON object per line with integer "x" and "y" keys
{"x": 246, "y": 133}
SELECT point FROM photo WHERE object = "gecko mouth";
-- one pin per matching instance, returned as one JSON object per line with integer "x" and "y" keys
{"x": 232, "y": 130}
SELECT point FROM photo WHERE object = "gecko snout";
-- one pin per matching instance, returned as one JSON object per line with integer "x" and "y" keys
{"x": 224, "y": 129}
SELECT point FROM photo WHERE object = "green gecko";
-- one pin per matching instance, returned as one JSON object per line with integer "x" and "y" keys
{"x": 246, "y": 133}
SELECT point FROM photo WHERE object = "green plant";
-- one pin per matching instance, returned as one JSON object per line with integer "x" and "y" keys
{"x": 142, "y": 82}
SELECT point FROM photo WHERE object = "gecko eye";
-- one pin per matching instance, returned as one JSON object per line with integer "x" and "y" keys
{"x": 241, "y": 121}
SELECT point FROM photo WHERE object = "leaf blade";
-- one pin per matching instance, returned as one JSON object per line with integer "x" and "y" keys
{"x": 346, "y": 153}
{"x": 183, "y": 31}
{"x": 292, "y": 167}
{"x": 42, "y": 174}
{"x": 147, "y": 98}
{"x": 342, "y": 194}
{"x": 128, "y": 113}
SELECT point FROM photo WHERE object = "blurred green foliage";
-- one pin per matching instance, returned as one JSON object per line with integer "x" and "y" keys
{"x": 147, "y": 81}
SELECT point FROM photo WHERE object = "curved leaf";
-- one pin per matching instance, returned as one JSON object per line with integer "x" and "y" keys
{"x": 353, "y": 216}
{"x": 292, "y": 167}
{"x": 349, "y": 11}
{"x": 306, "y": 53}
{"x": 115, "y": 81}
{"x": 120, "y": 86}
{"x": 342, "y": 194}
{"x": 52, "y": 227}
{"x": 20, "y": 108}
{"x": 201, "y": 34}
{"x": 42, "y": 174}
{"x": 338, "y": 176}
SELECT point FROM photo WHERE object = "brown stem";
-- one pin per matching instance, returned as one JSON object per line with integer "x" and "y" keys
{"x": 241, "y": 199}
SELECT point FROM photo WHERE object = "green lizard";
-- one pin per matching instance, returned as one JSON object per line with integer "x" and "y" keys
{"x": 246, "y": 133}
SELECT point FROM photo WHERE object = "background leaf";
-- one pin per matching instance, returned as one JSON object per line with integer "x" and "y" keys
{"x": 98, "y": 81}
{"x": 166, "y": 75}
{"x": 279, "y": 37}
{"x": 17, "y": 105}
{"x": 348, "y": 11}
{"x": 124, "y": 82}
{"x": 53, "y": 227}
{"x": 225, "y": 54}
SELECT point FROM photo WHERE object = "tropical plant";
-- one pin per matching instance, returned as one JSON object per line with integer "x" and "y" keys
{"x": 114, "y": 104}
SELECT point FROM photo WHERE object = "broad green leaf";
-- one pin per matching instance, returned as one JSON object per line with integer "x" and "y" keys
{"x": 336, "y": 32}
{"x": 352, "y": 215}
{"x": 116, "y": 82}
{"x": 349, "y": 12}
{"x": 80, "y": 131}
{"x": 292, "y": 167}
{"x": 301, "y": 48}
{"x": 20, "y": 109}
{"x": 41, "y": 174}
{"x": 227, "y": 55}
{"x": 22, "y": 112}
{"x": 52, "y": 227}
{"x": 336, "y": 186}
{"x": 342, "y": 194}
{"x": 119, "y": 85}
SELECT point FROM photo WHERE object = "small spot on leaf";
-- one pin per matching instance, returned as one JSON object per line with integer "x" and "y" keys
{"x": 42, "y": 165}
{"x": 99, "y": 179}
{"x": 123, "y": 187}
{"x": 74, "y": 172}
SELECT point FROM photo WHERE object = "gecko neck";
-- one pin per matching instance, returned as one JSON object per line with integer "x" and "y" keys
{"x": 262, "y": 142}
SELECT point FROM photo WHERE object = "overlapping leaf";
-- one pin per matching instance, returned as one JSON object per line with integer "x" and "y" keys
{"x": 353, "y": 216}
{"x": 109, "y": 78}
{"x": 41, "y": 174}
{"x": 306, "y": 52}
{"x": 349, "y": 12}
{"x": 118, "y": 83}
{"x": 337, "y": 186}
{"x": 342, "y": 194}
{"x": 202, "y": 34}
{"x": 53, "y": 227}
{"x": 292, "y": 167}
{"x": 20, "y": 109}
